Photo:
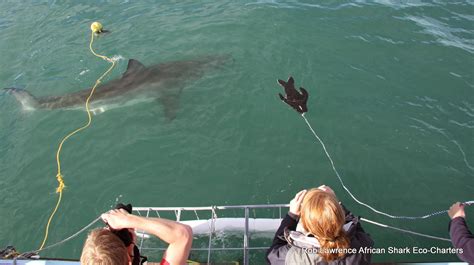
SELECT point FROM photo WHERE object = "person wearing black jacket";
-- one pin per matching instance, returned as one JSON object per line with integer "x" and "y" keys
{"x": 460, "y": 235}
{"x": 319, "y": 230}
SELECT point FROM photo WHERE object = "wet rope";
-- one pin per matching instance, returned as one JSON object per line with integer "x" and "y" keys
{"x": 59, "y": 176}
{"x": 365, "y": 204}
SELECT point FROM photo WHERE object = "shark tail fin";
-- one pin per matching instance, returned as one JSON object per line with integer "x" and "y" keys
{"x": 26, "y": 99}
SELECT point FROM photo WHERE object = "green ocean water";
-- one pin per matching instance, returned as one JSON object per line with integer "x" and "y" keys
{"x": 391, "y": 95}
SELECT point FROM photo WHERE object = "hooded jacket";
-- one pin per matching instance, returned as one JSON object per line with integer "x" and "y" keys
{"x": 292, "y": 247}
{"x": 462, "y": 238}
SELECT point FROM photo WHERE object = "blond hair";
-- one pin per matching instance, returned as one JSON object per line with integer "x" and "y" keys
{"x": 323, "y": 217}
{"x": 103, "y": 247}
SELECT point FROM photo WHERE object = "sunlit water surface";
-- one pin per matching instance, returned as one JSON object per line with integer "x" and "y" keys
{"x": 391, "y": 95}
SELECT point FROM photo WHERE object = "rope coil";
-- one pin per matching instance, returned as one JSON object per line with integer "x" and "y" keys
{"x": 61, "y": 184}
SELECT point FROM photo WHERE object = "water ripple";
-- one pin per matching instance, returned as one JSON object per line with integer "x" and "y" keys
{"x": 443, "y": 132}
{"x": 468, "y": 125}
{"x": 444, "y": 34}
{"x": 395, "y": 4}
{"x": 467, "y": 109}
{"x": 302, "y": 4}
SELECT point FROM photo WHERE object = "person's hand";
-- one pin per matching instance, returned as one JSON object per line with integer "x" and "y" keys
{"x": 327, "y": 189}
{"x": 295, "y": 204}
{"x": 117, "y": 219}
{"x": 456, "y": 210}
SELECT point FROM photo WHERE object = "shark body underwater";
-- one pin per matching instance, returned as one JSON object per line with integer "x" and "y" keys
{"x": 163, "y": 82}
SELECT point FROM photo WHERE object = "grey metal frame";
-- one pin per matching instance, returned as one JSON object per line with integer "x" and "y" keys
{"x": 213, "y": 209}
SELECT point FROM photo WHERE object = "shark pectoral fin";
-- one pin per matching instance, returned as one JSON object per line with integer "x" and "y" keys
{"x": 133, "y": 67}
{"x": 170, "y": 104}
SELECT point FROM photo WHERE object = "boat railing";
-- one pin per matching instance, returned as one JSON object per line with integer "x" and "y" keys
{"x": 211, "y": 219}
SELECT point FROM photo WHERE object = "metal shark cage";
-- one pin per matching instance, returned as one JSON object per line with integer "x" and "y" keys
{"x": 260, "y": 221}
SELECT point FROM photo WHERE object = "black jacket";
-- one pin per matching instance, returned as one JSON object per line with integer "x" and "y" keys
{"x": 278, "y": 251}
{"x": 462, "y": 238}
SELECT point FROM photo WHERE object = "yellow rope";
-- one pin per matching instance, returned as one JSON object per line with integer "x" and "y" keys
{"x": 59, "y": 176}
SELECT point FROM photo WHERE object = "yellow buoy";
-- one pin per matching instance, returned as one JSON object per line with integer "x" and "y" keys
{"x": 96, "y": 27}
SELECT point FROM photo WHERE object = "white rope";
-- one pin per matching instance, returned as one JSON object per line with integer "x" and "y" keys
{"x": 365, "y": 204}
{"x": 405, "y": 231}
{"x": 468, "y": 203}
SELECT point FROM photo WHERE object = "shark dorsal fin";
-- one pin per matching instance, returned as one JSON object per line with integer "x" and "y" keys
{"x": 133, "y": 67}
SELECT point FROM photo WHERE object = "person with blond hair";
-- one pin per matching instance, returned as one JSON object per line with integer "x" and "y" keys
{"x": 319, "y": 230}
{"x": 104, "y": 247}
{"x": 115, "y": 244}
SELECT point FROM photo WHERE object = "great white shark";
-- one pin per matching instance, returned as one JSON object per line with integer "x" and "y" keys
{"x": 163, "y": 82}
